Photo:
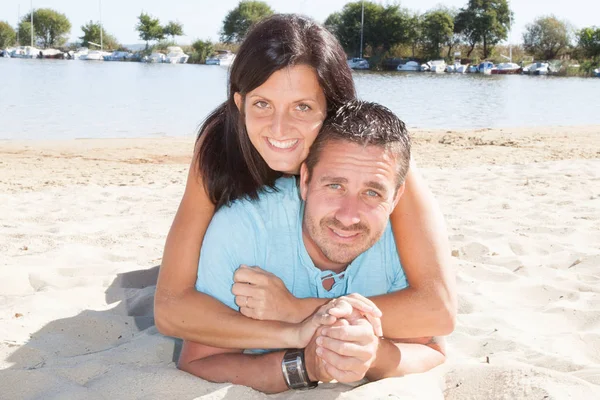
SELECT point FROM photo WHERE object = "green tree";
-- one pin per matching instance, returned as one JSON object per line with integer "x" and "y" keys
{"x": 149, "y": 28}
{"x": 50, "y": 27}
{"x": 384, "y": 27}
{"x": 8, "y": 36}
{"x": 588, "y": 40}
{"x": 238, "y": 21}
{"x": 414, "y": 32}
{"x": 91, "y": 33}
{"x": 546, "y": 37}
{"x": 173, "y": 28}
{"x": 484, "y": 21}
{"x": 24, "y": 31}
{"x": 201, "y": 50}
{"x": 438, "y": 31}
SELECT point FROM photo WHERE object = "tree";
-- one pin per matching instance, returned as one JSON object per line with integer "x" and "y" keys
{"x": 24, "y": 33}
{"x": 588, "y": 40}
{"x": 414, "y": 34}
{"x": 149, "y": 28}
{"x": 438, "y": 29}
{"x": 91, "y": 33}
{"x": 173, "y": 28}
{"x": 201, "y": 50}
{"x": 384, "y": 27}
{"x": 238, "y": 21}
{"x": 50, "y": 27}
{"x": 8, "y": 36}
{"x": 484, "y": 21}
{"x": 546, "y": 37}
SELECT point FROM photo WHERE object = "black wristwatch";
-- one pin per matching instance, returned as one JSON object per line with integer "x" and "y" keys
{"x": 294, "y": 370}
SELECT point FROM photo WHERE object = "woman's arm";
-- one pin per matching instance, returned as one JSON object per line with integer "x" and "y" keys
{"x": 180, "y": 310}
{"x": 428, "y": 306}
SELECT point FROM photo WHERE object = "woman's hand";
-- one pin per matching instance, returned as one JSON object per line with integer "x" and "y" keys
{"x": 351, "y": 309}
{"x": 262, "y": 295}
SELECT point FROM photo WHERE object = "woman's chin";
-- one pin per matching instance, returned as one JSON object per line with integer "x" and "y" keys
{"x": 285, "y": 167}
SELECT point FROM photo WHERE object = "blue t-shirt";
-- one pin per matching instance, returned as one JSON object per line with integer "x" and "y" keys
{"x": 268, "y": 233}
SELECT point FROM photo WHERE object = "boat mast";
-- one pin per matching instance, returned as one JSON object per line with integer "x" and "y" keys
{"x": 362, "y": 24}
{"x": 100, "y": 6}
{"x": 31, "y": 23}
{"x": 18, "y": 22}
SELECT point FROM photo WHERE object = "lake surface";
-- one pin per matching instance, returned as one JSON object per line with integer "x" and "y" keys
{"x": 58, "y": 99}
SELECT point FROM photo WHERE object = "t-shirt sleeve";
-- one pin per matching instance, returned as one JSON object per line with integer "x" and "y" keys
{"x": 230, "y": 240}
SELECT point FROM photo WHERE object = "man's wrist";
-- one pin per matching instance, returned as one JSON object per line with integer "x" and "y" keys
{"x": 295, "y": 372}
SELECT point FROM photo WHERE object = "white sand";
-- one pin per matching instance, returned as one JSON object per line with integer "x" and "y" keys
{"x": 83, "y": 223}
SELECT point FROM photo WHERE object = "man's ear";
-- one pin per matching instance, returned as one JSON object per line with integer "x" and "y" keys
{"x": 399, "y": 193}
{"x": 237, "y": 98}
{"x": 303, "y": 181}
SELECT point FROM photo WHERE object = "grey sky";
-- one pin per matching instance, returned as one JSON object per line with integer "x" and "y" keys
{"x": 202, "y": 19}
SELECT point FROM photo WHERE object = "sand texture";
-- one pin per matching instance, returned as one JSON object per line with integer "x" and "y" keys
{"x": 83, "y": 224}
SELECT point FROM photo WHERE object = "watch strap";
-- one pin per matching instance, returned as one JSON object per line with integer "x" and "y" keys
{"x": 294, "y": 370}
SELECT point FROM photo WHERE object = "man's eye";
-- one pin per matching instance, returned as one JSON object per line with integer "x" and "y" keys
{"x": 372, "y": 193}
{"x": 334, "y": 186}
{"x": 303, "y": 107}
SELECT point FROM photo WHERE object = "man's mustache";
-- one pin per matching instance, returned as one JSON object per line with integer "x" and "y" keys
{"x": 334, "y": 223}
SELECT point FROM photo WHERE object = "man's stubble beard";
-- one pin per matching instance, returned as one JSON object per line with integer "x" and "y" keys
{"x": 335, "y": 252}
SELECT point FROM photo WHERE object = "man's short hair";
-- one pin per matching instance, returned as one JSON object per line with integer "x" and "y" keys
{"x": 367, "y": 124}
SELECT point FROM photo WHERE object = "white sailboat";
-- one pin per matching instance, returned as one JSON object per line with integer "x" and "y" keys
{"x": 360, "y": 62}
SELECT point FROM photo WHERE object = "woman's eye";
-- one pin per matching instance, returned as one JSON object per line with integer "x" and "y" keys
{"x": 303, "y": 107}
{"x": 261, "y": 104}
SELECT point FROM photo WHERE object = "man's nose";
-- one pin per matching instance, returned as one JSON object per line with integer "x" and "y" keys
{"x": 348, "y": 213}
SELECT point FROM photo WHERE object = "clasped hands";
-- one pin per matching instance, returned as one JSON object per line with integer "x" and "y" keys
{"x": 341, "y": 338}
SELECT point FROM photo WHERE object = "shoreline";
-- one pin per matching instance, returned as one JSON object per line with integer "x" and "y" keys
{"x": 96, "y": 160}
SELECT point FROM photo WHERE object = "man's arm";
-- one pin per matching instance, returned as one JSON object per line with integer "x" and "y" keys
{"x": 259, "y": 371}
{"x": 352, "y": 352}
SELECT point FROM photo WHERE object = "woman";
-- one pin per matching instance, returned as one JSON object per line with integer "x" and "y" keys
{"x": 234, "y": 158}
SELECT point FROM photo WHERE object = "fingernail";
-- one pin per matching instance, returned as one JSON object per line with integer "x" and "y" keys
{"x": 320, "y": 340}
{"x": 319, "y": 351}
{"x": 323, "y": 332}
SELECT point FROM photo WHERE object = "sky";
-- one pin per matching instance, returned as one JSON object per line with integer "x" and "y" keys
{"x": 202, "y": 19}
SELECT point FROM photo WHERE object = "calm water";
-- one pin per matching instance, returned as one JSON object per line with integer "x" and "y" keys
{"x": 55, "y": 99}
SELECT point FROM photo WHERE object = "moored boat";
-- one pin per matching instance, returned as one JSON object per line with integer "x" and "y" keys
{"x": 597, "y": 72}
{"x": 25, "y": 52}
{"x": 118, "y": 56}
{"x": 506, "y": 69}
{"x": 437, "y": 66}
{"x": 409, "y": 66}
{"x": 51, "y": 53}
{"x": 537, "y": 68}
{"x": 175, "y": 55}
{"x": 485, "y": 68}
{"x": 358, "y": 63}
{"x": 222, "y": 57}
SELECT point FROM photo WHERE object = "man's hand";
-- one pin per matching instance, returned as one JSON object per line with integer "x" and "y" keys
{"x": 348, "y": 350}
{"x": 262, "y": 295}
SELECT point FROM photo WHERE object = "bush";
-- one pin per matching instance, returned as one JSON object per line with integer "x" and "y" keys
{"x": 200, "y": 51}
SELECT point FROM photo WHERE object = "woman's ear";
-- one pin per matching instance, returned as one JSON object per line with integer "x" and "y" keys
{"x": 237, "y": 98}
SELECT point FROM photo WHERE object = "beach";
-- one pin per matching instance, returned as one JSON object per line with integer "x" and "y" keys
{"x": 83, "y": 224}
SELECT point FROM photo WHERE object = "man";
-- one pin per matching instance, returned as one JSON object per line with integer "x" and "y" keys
{"x": 335, "y": 243}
